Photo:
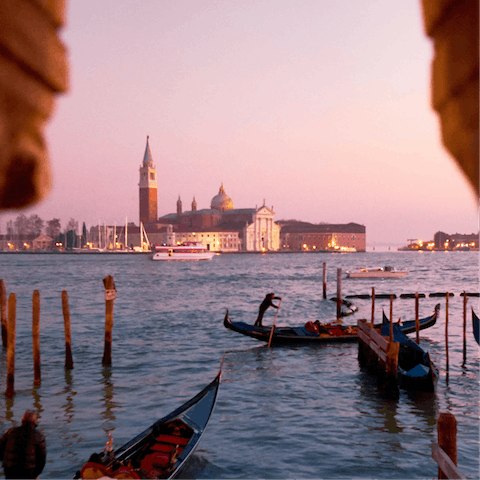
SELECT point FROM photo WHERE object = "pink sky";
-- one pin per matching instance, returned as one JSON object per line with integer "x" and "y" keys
{"x": 322, "y": 108}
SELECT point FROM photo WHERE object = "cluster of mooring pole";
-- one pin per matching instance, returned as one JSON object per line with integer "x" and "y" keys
{"x": 417, "y": 296}
{"x": 8, "y": 314}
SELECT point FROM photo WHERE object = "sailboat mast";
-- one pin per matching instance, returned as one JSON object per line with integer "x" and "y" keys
{"x": 126, "y": 234}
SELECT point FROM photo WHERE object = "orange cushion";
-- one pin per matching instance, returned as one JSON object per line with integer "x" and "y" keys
{"x": 155, "y": 460}
{"x": 124, "y": 473}
{"x": 94, "y": 470}
{"x": 173, "y": 439}
{"x": 163, "y": 447}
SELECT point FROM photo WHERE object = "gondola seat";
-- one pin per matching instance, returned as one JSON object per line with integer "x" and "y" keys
{"x": 172, "y": 439}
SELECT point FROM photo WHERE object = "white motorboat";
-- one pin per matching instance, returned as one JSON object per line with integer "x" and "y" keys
{"x": 384, "y": 272}
{"x": 188, "y": 251}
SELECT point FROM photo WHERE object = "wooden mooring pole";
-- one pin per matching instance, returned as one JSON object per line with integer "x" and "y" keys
{"x": 324, "y": 280}
{"x": 68, "y": 336}
{"x": 465, "y": 298}
{"x": 109, "y": 299}
{"x": 446, "y": 330}
{"x": 373, "y": 304}
{"x": 445, "y": 452}
{"x": 417, "y": 321}
{"x": 339, "y": 293}
{"x": 391, "y": 318}
{"x": 3, "y": 312}
{"x": 37, "y": 377}
{"x": 12, "y": 320}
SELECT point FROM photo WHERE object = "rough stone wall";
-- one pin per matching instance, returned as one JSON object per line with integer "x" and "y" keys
{"x": 33, "y": 69}
{"x": 453, "y": 26}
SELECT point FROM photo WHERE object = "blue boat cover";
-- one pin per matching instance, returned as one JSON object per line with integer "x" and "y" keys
{"x": 418, "y": 371}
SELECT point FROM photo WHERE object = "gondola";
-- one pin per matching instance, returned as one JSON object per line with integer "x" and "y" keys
{"x": 314, "y": 332}
{"x": 415, "y": 369}
{"x": 347, "y": 307}
{"x": 475, "y": 326}
{"x": 161, "y": 450}
{"x": 409, "y": 325}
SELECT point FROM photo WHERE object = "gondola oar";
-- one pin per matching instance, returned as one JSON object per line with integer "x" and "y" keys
{"x": 273, "y": 326}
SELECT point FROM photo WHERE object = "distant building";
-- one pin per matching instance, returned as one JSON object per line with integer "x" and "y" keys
{"x": 219, "y": 228}
{"x": 457, "y": 241}
{"x": 302, "y": 236}
{"x": 43, "y": 242}
{"x": 14, "y": 242}
{"x": 223, "y": 227}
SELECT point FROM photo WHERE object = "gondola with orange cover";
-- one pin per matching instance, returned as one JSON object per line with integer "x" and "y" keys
{"x": 315, "y": 332}
{"x": 161, "y": 450}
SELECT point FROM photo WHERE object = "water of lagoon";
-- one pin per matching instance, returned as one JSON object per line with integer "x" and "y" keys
{"x": 283, "y": 412}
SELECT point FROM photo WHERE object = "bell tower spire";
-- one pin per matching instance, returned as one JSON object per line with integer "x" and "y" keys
{"x": 148, "y": 188}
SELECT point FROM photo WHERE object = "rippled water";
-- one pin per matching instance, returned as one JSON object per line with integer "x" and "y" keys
{"x": 291, "y": 412}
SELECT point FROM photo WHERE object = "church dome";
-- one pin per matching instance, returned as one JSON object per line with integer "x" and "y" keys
{"x": 221, "y": 201}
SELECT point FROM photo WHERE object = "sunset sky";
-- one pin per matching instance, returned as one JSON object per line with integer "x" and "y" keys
{"x": 320, "y": 107}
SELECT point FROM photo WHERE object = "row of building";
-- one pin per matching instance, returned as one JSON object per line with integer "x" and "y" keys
{"x": 445, "y": 241}
{"x": 227, "y": 229}
{"x": 221, "y": 228}
{"x": 288, "y": 236}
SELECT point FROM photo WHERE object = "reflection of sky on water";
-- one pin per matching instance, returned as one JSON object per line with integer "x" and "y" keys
{"x": 275, "y": 406}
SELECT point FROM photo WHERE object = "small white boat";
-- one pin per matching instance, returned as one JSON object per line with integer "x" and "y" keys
{"x": 384, "y": 272}
{"x": 188, "y": 251}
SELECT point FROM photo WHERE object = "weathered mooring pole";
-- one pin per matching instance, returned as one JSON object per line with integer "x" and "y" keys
{"x": 68, "y": 336}
{"x": 12, "y": 317}
{"x": 417, "y": 321}
{"x": 324, "y": 280}
{"x": 446, "y": 329}
{"x": 373, "y": 304}
{"x": 391, "y": 318}
{"x": 37, "y": 377}
{"x": 447, "y": 441}
{"x": 339, "y": 293}
{"x": 110, "y": 293}
{"x": 464, "y": 327}
{"x": 3, "y": 312}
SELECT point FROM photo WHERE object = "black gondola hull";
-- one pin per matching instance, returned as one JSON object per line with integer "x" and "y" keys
{"x": 191, "y": 418}
{"x": 298, "y": 335}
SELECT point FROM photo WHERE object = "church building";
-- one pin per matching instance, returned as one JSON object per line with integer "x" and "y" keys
{"x": 220, "y": 227}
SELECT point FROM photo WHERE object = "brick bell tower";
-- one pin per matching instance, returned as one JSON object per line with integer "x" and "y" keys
{"x": 148, "y": 189}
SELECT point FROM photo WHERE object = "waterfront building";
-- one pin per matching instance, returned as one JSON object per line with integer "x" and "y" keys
{"x": 43, "y": 242}
{"x": 223, "y": 227}
{"x": 308, "y": 237}
{"x": 220, "y": 228}
{"x": 457, "y": 241}
{"x": 15, "y": 242}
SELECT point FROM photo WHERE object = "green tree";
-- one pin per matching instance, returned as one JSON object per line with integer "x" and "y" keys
{"x": 72, "y": 225}
{"x": 71, "y": 239}
{"x": 21, "y": 224}
{"x": 84, "y": 235}
{"x": 35, "y": 225}
{"x": 60, "y": 238}
{"x": 53, "y": 228}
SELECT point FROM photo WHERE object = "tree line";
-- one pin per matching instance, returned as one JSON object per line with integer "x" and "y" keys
{"x": 34, "y": 225}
